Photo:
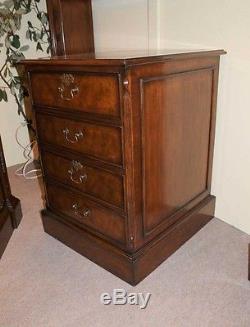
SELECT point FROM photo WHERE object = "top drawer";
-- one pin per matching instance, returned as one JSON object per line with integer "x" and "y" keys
{"x": 85, "y": 92}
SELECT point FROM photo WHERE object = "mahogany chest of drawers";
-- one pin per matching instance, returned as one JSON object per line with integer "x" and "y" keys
{"x": 126, "y": 145}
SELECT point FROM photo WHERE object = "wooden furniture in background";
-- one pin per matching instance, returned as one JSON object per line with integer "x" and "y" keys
{"x": 10, "y": 208}
{"x": 71, "y": 26}
{"x": 126, "y": 144}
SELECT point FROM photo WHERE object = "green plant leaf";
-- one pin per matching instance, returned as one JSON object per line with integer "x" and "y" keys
{"x": 6, "y": 72}
{"x": 17, "y": 4}
{"x": 17, "y": 79}
{"x": 39, "y": 47}
{"x": 5, "y": 97}
{"x": 16, "y": 57}
{"x": 16, "y": 41}
{"x": 29, "y": 35}
{"x": 34, "y": 36}
{"x": 24, "y": 48}
{"x": 12, "y": 89}
{"x": 44, "y": 19}
{"x": 27, "y": 5}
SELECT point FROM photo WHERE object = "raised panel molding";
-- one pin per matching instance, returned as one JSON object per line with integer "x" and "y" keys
{"x": 181, "y": 128}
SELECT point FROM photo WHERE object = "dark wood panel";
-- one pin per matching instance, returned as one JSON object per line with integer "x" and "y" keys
{"x": 92, "y": 93}
{"x": 86, "y": 212}
{"x": 133, "y": 110}
{"x": 96, "y": 182}
{"x": 10, "y": 208}
{"x": 71, "y": 26}
{"x": 101, "y": 142}
{"x": 176, "y": 114}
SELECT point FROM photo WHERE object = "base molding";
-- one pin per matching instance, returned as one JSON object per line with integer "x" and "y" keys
{"x": 131, "y": 268}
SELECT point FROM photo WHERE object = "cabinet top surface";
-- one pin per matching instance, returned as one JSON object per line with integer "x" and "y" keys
{"x": 131, "y": 57}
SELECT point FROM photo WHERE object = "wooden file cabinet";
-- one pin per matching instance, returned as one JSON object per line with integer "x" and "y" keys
{"x": 126, "y": 145}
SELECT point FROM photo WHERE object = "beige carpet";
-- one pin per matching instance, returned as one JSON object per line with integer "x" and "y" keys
{"x": 44, "y": 283}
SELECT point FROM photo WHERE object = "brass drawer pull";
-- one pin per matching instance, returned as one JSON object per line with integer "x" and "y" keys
{"x": 78, "y": 211}
{"x": 74, "y": 170}
{"x": 77, "y": 136}
{"x": 68, "y": 89}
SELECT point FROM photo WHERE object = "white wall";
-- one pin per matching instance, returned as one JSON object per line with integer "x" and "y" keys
{"x": 221, "y": 24}
{"x": 125, "y": 24}
{"x": 9, "y": 121}
{"x": 120, "y": 24}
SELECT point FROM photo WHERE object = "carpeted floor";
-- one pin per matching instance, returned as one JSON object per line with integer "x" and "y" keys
{"x": 44, "y": 283}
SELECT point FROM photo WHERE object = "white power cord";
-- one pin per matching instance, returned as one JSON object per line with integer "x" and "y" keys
{"x": 23, "y": 170}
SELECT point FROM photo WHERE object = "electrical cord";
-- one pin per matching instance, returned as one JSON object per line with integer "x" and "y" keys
{"x": 24, "y": 169}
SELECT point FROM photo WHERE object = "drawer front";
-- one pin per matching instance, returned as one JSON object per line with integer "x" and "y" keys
{"x": 86, "y": 212}
{"x": 98, "y": 94}
{"x": 94, "y": 181}
{"x": 100, "y": 142}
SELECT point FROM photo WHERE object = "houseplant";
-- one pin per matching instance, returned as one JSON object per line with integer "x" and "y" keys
{"x": 13, "y": 46}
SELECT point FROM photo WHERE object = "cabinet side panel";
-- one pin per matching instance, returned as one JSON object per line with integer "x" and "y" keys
{"x": 176, "y": 123}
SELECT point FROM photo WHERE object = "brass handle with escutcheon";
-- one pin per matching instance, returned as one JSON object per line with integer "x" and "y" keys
{"x": 86, "y": 212}
{"x": 75, "y": 169}
{"x": 76, "y": 137}
{"x": 72, "y": 93}
{"x": 68, "y": 88}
